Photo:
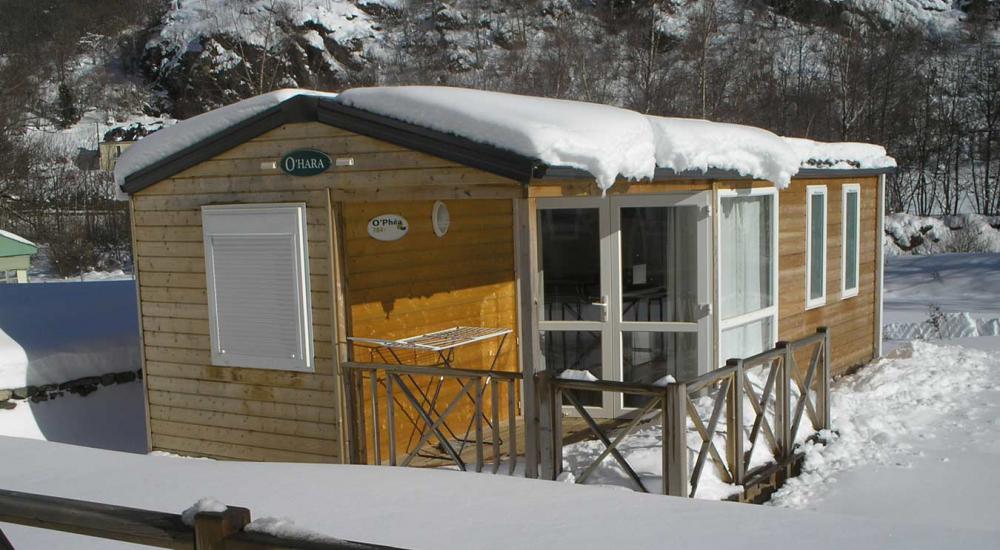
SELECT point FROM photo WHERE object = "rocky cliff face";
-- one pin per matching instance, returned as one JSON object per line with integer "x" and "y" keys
{"x": 207, "y": 53}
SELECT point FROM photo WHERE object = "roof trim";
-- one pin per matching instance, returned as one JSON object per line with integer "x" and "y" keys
{"x": 306, "y": 108}
{"x": 566, "y": 172}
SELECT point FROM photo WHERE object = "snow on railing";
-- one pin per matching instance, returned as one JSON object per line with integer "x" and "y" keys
{"x": 218, "y": 527}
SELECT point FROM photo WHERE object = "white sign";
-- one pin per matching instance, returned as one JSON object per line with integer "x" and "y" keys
{"x": 388, "y": 227}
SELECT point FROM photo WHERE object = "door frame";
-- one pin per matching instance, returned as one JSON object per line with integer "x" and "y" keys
{"x": 612, "y": 325}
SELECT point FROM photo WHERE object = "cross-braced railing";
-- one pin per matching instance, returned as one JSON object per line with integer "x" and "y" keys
{"x": 420, "y": 415}
{"x": 713, "y": 406}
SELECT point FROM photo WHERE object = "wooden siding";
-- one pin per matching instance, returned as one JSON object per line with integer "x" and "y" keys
{"x": 196, "y": 408}
{"x": 851, "y": 320}
{"x": 424, "y": 283}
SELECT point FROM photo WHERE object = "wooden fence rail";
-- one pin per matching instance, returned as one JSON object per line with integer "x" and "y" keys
{"x": 786, "y": 397}
{"x": 211, "y": 530}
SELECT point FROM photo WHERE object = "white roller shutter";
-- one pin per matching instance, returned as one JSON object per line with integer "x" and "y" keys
{"x": 257, "y": 269}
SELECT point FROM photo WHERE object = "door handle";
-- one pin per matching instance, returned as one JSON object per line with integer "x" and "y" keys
{"x": 603, "y": 304}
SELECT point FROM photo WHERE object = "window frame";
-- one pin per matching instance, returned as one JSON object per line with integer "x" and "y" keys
{"x": 306, "y": 362}
{"x": 845, "y": 292}
{"x": 771, "y": 311}
{"x": 811, "y": 191}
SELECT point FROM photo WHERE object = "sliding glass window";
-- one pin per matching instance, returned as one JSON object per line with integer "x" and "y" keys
{"x": 748, "y": 272}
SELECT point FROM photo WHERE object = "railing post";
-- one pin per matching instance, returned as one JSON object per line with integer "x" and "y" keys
{"x": 823, "y": 394}
{"x": 353, "y": 453}
{"x": 782, "y": 402}
{"x": 376, "y": 436}
{"x": 5, "y": 542}
{"x": 734, "y": 423}
{"x": 555, "y": 412}
{"x": 479, "y": 423}
{"x": 675, "y": 454}
{"x": 543, "y": 435}
{"x": 212, "y": 528}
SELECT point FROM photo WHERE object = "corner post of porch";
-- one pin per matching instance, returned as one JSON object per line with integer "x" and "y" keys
{"x": 782, "y": 404}
{"x": 734, "y": 423}
{"x": 534, "y": 392}
{"x": 675, "y": 455}
{"x": 823, "y": 395}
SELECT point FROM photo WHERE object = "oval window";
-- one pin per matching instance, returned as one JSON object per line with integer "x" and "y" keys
{"x": 440, "y": 219}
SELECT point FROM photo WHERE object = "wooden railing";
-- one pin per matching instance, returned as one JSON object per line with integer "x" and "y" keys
{"x": 211, "y": 530}
{"x": 787, "y": 396}
{"x": 409, "y": 415}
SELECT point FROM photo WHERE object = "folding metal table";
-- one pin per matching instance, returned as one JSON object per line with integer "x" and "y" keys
{"x": 443, "y": 343}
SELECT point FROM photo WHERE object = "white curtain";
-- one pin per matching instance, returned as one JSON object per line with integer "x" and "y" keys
{"x": 745, "y": 284}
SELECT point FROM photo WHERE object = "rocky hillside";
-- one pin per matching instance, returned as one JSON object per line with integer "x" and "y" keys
{"x": 919, "y": 76}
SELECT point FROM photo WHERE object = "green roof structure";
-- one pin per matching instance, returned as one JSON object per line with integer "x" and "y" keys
{"x": 15, "y": 255}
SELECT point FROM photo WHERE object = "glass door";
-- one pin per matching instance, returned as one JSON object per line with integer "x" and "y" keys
{"x": 625, "y": 285}
{"x": 574, "y": 280}
{"x": 662, "y": 288}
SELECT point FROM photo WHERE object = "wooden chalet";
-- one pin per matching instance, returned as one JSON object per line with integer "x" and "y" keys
{"x": 298, "y": 267}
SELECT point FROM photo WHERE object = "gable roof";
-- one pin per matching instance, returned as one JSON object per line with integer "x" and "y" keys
{"x": 308, "y": 107}
{"x": 15, "y": 245}
{"x": 517, "y": 137}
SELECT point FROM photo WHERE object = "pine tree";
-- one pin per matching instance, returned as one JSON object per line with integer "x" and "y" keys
{"x": 68, "y": 113}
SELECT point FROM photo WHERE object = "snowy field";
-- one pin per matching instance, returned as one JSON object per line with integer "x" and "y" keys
{"x": 98, "y": 334}
{"x": 919, "y": 438}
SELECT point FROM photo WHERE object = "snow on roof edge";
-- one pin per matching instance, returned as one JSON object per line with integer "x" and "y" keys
{"x": 17, "y": 238}
{"x": 607, "y": 142}
{"x": 191, "y": 131}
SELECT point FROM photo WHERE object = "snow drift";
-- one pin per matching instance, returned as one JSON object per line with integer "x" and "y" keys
{"x": 52, "y": 333}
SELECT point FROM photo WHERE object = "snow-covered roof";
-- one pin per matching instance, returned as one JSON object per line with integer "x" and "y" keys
{"x": 607, "y": 142}
{"x": 15, "y": 245}
{"x": 846, "y": 156}
{"x": 186, "y": 133}
{"x": 603, "y": 140}
{"x": 17, "y": 238}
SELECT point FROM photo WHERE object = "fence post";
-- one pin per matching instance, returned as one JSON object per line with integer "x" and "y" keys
{"x": 555, "y": 414}
{"x": 823, "y": 395}
{"x": 350, "y": 407}
{"x": 212, "y": 528}
{"x": 675, "y": 454}
{"x": 543, "y": 435}
{"x": 782, "y": 402}
{"x": 734, "y": 423}
{"x": 4, "y": 542}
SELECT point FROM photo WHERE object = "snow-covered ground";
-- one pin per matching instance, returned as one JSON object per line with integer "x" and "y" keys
{"x": 50, "y": 334}
{"x": 97, "y": 330}
{"x": 919, "y": 433}
{"x": 411, "y": 508}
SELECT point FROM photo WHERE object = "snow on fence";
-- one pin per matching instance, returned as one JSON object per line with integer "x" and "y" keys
{"x": 692, "y": 426}
{"x": 228, "y": 528}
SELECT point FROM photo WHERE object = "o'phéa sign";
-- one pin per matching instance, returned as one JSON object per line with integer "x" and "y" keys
{"x": 305, "y": 162}
{"x": 388, "y": 227}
